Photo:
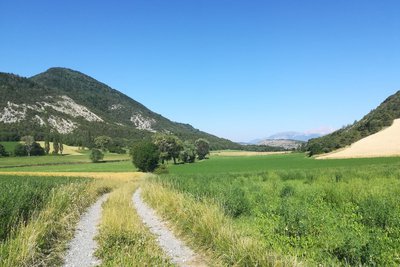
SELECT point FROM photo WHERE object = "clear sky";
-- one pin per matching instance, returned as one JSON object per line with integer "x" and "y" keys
{"x": 240, "y": 69}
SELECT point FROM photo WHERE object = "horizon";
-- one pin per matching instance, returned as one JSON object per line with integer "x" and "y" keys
{"x": 238, "y": 70}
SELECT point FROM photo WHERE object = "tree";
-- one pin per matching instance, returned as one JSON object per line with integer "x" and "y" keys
{"x": 202, "y": 148}
{"x": 96, "y": 155}
{"x": 188, "y": 154}
{"x": 47, "y": 146}
{"x": 20, "y": 150}
{"x": 145, "y": 156}
{"x": 103, "y": 142}
{"x": 169, "y": 145}
{"x": 3, "y": 152}
{"x": 56, "y": 147}
{"x": 37, "y": 150}
{"x": 61, "y": 147}
{"x": 28, "y": 140}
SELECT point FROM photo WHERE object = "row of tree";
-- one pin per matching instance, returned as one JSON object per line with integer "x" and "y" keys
{"x": 146, "y": 155}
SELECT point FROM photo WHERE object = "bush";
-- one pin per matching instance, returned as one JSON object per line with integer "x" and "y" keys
{"x": 96, "y": 155}
{"x": 37, "y": 150}
{"x": 20, "y": 150}
{"x": 3, "y": 152}
{"x": 145, "y": 156}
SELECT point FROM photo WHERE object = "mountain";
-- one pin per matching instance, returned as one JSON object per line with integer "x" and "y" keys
{"x": 376, "y": 120}
{"x": 294, "y": 136}
{"x": 285, "y": 143}
{"x": 79, "y": 108}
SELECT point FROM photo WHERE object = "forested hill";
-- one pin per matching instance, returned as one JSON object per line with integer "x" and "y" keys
{"x": 373, "y": 122}
{"x": 79, "y": 107}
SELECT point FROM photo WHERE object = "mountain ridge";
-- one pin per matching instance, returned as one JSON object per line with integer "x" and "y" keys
{"x": 376, "y": 120}
{"x": 72, "y": 103}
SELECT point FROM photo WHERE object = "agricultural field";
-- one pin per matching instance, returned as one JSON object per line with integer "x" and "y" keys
{"x": 285, "y": 209}
{"x": 242, "y": 210}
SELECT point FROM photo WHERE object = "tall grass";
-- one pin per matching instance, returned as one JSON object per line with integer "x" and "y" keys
{"x": 42, "y": 238}
{"x": 211, "y": 231}
{"x": 337, "y": 216}
{"x": 21, "y": 197}
{"x": 123, "y": 240}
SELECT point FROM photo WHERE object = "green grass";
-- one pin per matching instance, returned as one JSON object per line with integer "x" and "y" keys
{"x": 294, "y": 161}
{"x": 70, "y": 163}
{"x": 22, "y": 197}
{"x": 123, "y": 239}
{"x": 9, "y": 146}
{"x": 121, "y": 166}
{"x": 329, "y": 212}
{"x": 39, "y": 215}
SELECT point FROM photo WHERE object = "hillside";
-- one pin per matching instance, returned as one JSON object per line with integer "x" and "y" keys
{"x": 79, "y": 108}
{"x": 381, "y": 144}
{"x": 379, "y": 118}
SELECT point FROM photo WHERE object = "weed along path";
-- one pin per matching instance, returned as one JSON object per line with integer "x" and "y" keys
{"x": 180, "y": 254}
{"x": 82, "y": 246}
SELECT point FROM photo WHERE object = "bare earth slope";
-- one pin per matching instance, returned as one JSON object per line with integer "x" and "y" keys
{"x": 382, "y": 144}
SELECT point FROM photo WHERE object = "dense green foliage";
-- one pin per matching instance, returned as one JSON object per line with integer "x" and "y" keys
{"x": 35, "y": 149}
{"x": 333, "y": 214}
{"x": 202, "y": 148}
{"x": 22, "y": 197}
{"x": 3, "y": 151}
{"x": 373, "y": 122}
{"x": 145, "y": 156}
{"x": 96, "y": 155}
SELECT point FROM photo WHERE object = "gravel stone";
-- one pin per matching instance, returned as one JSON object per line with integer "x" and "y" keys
{"x": 179, "y": 253}
{"x": 82, "y": 246}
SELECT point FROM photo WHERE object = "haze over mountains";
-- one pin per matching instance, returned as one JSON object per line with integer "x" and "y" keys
{"x": 78, "y": 107}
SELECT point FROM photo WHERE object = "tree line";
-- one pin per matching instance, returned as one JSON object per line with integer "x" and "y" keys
{"x": 147, "y": 155}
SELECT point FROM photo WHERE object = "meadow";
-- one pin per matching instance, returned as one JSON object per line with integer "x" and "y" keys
{"x": 286, "y": 209}
{"x": 39, "y": 212}
{"x": 242, "y": 211}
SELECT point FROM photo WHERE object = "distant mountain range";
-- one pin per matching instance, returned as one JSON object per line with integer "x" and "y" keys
{"x": 79, "y": 107}
{"x": 287, "y": 140}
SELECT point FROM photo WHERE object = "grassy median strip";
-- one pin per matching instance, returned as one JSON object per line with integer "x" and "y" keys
{"x": 123, "y": 239}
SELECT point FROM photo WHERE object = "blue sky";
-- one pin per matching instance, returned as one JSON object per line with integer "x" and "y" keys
{"x": 238, "y": 69}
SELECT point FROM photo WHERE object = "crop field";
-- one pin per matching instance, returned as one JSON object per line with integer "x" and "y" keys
{"x": 22, "y": 197}
{"x": 38, "y": 215}
{"x": 286, "y": 209}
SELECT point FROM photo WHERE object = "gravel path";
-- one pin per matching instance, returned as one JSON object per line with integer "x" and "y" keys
{"x": 180, "y": 254}
{"x": 83, "y": 245}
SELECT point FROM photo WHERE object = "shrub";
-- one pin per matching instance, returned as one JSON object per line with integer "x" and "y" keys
{"x": 145, "y": 156}
{"x": 3, "y": 152}
{"x": 37, "y": 150}
{"x": 96, "y": 155}
{"x": 20, "y": 150}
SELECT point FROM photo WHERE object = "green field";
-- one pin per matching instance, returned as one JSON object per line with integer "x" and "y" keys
{"x": 22, "y": 197}
{"x": 9, "y": 146}
{"x": 293, "y": 161}
{"x": 38, "y": 215}
{"x": 329, "y": 212}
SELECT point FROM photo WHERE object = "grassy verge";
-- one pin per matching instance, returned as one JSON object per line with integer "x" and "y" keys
{"x": 210, "y": 230}
{"x": 123, "y": 240}
{"x": 333, "y": 216}
{"x": 41, "y": 240}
